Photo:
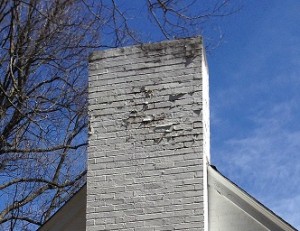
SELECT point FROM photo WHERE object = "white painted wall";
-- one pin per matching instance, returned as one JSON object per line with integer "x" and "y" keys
{"x": 226, "y": 216}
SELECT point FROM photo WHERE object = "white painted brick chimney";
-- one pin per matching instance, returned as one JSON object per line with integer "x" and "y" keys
{"x": 149, "y": 141}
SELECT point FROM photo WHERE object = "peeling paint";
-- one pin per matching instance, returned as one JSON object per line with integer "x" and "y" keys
{"x": 174, "y": 97}
{"x": 164, "y": 128}
{"x": 148, "y": 118}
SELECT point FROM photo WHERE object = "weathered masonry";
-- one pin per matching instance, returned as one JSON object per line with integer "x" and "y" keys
{"x": 148, "y": 152}
{"x": 149, "y": 141}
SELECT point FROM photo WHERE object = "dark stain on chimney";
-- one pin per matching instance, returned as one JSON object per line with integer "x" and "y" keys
{"x": 197, "y": 111}
{"x": 174, "y": 97}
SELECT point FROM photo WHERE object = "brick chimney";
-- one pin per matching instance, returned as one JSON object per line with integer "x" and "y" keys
{"x": 149, "y": 137}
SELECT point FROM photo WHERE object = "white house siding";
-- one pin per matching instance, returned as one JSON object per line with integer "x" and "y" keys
{"x": 226, "y": 216}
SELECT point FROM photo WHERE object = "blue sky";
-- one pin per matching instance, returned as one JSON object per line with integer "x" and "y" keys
{"x": 255, "y": 103}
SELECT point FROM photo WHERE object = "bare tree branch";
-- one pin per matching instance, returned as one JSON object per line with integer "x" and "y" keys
{"x": 44, "y": 48}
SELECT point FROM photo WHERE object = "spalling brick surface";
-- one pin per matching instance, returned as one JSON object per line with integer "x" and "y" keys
{"x": 145, "y": 161}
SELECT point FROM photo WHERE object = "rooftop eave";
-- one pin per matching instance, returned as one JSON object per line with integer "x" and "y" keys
{"x": 246, "y": 202}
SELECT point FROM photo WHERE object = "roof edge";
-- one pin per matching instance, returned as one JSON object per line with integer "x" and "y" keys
{"x": 246, "y": 202}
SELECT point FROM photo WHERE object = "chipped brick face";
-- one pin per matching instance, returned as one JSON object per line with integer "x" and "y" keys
{"x": 145, "y": 153}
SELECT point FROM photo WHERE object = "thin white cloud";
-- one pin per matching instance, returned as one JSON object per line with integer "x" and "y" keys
{"x": 256, "y": 108}
{"x": 288, "y": 207}
{"x": 265, "y": 162}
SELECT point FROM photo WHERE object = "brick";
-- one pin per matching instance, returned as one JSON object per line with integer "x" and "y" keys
{"x": 146, "y": 147}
